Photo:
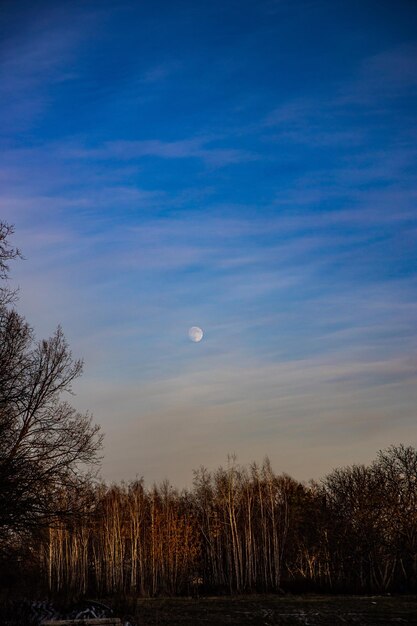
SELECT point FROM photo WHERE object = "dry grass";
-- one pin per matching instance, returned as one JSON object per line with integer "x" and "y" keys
{"x": 270, "y": 610}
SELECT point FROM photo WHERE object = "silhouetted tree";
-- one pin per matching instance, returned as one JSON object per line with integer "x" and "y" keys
{"x": 47, "y": 448}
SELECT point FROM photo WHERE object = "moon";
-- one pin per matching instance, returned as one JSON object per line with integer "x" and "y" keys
{"x": 195, "y": 334}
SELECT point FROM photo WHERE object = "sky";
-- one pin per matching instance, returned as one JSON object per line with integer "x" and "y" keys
{"x": 245, "y": 166}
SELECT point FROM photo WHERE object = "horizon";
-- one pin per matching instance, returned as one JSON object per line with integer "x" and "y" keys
{"x": 246, "y": 168}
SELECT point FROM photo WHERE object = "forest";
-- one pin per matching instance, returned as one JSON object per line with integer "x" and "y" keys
{"x": 243, "y": 530}
{"x": 239, "y": 529}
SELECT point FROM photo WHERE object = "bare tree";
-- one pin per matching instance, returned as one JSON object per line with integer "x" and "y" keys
{"x": 7, "y": 253}
{"x": 46, "y": 446}
{"x": 246, "y": 529}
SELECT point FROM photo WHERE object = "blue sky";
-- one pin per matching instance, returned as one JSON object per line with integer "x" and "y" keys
{"x": 245, "y": 166}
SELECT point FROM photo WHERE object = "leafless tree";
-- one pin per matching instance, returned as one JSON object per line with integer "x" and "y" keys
{"x": 7, "y": 254}
{"x": 244, "y": 529}
{"x": 47, "y": 448}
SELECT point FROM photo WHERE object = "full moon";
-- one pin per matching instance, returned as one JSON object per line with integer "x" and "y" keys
{"x": 195, "y": 334}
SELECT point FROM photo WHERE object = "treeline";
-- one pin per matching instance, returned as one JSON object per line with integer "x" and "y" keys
{"x": 245, "y": 529}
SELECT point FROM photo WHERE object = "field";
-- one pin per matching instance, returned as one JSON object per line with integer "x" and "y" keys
{"x": 269, "y": 610}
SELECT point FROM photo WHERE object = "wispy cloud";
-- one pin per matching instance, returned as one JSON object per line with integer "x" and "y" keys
{"x": 389, "y": 74}
{"x": 34, "y": 63}
{"x": 322, "y": 120}
{"x": 309, "y": 398}
{"x": 159, "y": 73}
{"x": 198, "y": 147}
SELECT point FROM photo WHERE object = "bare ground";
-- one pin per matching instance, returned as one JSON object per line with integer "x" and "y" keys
{"x": 270, "y": 610}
